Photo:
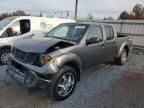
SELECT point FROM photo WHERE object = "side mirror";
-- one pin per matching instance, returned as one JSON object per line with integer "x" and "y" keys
{"x": 92, "y": 40}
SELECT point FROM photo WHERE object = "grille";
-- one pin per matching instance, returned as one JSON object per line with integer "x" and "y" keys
{"x": 24, "y": 57}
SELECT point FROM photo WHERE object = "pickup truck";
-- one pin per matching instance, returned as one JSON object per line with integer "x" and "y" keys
{"x": 55, "y": 62}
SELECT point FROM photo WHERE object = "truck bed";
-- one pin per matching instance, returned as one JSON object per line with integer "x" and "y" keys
{"x": 122, "y": 39}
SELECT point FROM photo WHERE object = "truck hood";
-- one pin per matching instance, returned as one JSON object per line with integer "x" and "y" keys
{"x": 41, "y": 45}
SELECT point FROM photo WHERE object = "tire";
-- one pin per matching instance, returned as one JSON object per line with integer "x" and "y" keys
{"x": 64, "y": 84}
{"x": 123, "y": 58}
{"x": 4, "y": 56}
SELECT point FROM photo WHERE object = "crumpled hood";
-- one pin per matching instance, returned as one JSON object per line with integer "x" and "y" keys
{"x": 36, "y": 45}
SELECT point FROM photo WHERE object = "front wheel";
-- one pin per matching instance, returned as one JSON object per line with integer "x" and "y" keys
{"x": 123, "y": 57}
{"x": 4, "y": 53}
{"x": 65, "y": 83}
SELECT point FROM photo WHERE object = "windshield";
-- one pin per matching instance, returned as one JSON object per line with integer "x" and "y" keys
{"x": 5, "y": 22}
{"x": 69, "y": 32}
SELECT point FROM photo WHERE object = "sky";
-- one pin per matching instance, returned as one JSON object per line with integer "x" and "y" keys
{"x": 98, "y": 8}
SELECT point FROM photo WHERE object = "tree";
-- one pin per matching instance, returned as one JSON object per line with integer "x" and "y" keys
{"x": 108, "y": 18}
{"x": 20, "y": 13}
{"x": 17, "y": 13}
{"x": 138, "y": 10}
{"x": 124, "y": 15}
{"x": 136, "y": 13}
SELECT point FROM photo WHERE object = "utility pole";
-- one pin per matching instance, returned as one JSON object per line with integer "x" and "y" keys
{"x": 40, "y": 14}
{"x": 67, "y": 12}
{"x": 76, "y": 9}
{"x": 61, "y": 14}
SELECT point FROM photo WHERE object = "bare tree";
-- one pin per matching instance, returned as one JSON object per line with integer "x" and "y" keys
{"x": 136, "y": 13}
{"x": 124, "y": 15}
{"x": 138, "y": 10}
{"x": 17, "y": 13}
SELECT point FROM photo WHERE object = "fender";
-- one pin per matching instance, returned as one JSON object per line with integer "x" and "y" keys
{"x": 65, "y": 58}
{"x": 121, "y": 49}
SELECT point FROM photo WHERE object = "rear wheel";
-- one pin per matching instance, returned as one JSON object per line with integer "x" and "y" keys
{"x": 4, "y": 53}
{"x": 65, "y": 83}
{"x": 123, "y": 57}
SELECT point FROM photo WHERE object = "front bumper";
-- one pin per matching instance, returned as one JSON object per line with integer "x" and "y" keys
{"x": 27, "y": 77}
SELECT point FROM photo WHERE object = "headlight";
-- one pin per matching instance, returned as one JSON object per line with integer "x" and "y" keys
{"x": 45, "y": 59}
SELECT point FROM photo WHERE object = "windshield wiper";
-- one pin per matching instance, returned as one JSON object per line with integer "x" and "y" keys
{"x": 55, "y": 37}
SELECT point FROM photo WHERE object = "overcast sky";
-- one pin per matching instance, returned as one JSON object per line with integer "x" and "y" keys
{"x": 99, "y": 8}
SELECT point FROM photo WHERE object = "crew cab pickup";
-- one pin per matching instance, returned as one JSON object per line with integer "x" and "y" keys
{"x": 55, "y": 62}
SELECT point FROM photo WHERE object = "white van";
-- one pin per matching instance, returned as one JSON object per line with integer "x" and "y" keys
{"x": 14, "y": 28}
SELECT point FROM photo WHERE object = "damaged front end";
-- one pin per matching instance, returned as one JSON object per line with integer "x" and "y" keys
{"x": 27, "y": 77}
{"x": 58, "y": 46}
{"x": 28, "y": 69}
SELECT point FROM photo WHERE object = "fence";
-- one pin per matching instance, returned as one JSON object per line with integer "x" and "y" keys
{"x": 135, "y": 28}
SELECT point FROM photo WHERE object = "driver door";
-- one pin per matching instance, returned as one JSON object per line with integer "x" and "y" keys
{"x": 16, "y": 31}
{"x": 94, "y": 51}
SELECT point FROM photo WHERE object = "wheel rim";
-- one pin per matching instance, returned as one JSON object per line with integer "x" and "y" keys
{"x": 66, "y": 84}
{"x": 4, "y": 58}
{"x": 123, "y": 57}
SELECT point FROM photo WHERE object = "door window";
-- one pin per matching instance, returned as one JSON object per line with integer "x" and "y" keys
{"x": 96, "y": 32}
{"x": 17, "y": 29}
{"x": 24, "y": 26}
{"x": 109, "y": 32}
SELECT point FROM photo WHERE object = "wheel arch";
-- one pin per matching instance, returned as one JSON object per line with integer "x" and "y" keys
{"x": 123, "y": 46}
{"x": 71, "y": 60}
{"x": 127, "y": 48}
{"x": 75, "y": 66}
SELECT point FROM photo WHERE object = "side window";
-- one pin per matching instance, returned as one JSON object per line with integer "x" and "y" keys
{"x": 109, "y": 32}
{"x": 96, "y": 32}
{"x": 24, "y": 26}
{"x": 17, "y": 29}
{"x": 13, "y": 30}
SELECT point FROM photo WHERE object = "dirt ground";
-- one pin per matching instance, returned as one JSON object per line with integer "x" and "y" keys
{"x": 111, "y": 86}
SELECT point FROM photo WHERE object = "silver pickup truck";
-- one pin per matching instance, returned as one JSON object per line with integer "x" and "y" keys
{"x": 55, "y": 62}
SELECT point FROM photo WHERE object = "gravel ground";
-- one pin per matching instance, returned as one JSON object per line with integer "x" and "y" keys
{"x": 110, "y": 86}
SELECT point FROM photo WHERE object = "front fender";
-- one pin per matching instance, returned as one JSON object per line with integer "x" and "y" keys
{"x": 65, "y": 58}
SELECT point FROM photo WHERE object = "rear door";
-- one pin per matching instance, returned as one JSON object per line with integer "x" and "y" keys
{"x": 110, "y": 43}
